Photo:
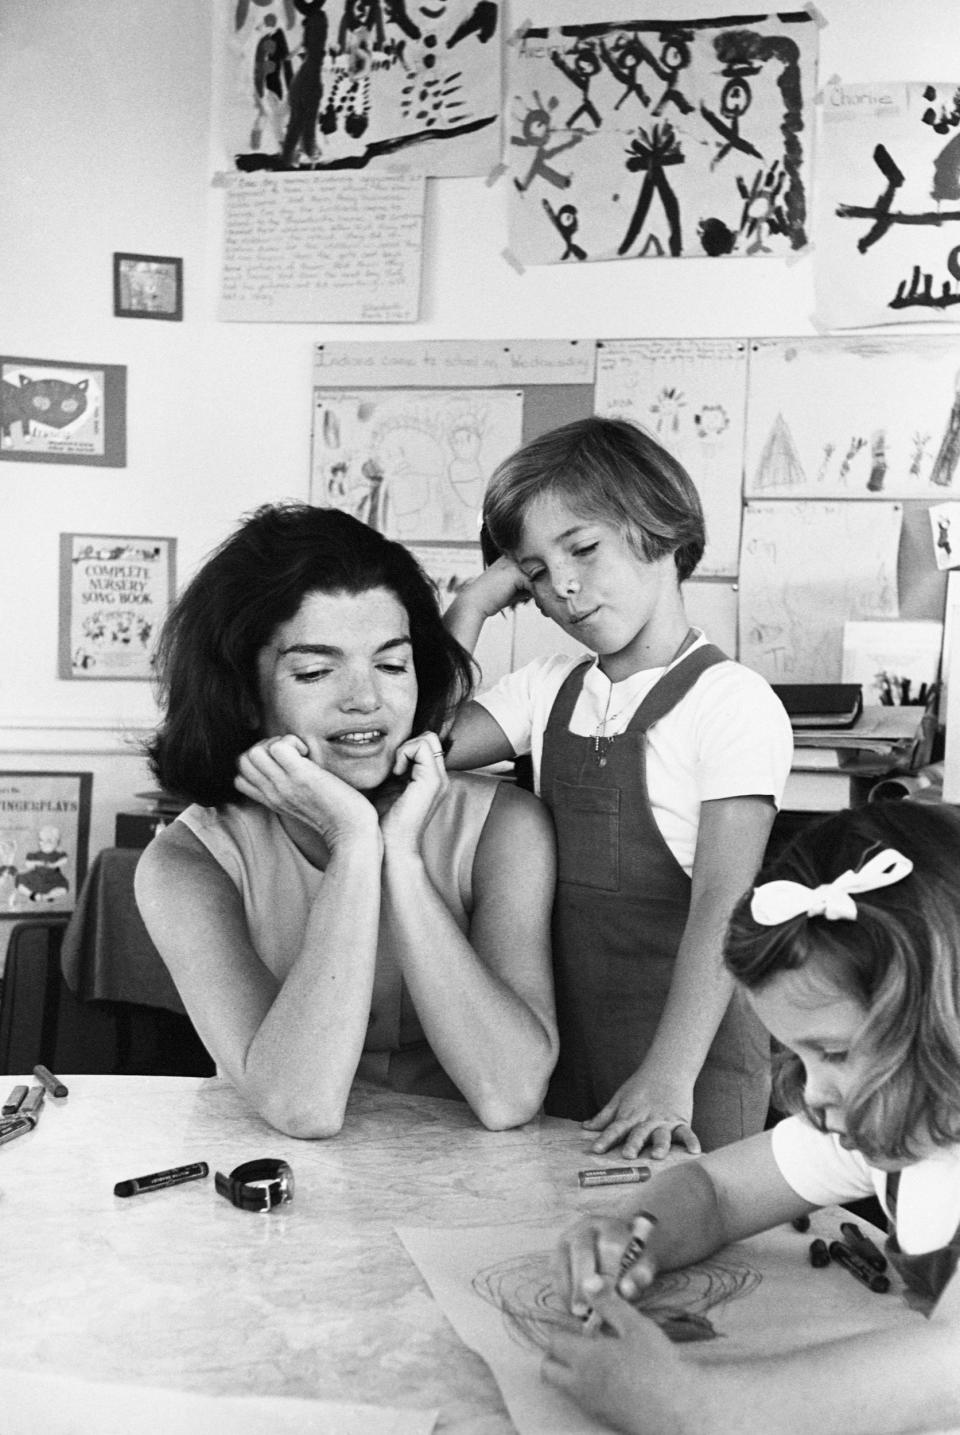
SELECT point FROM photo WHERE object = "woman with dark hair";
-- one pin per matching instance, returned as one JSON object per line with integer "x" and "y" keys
{"x": 333, "y": 904}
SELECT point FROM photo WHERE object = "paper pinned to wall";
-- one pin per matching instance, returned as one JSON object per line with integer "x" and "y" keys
{"x": 413, "y": 463}
{"x": 851, "y": 417}
{"x": 691, "y": 395}
{"x": 885, "y": 216}
{"x": 901, "y": 649}
{"x": 307, "y": 248}
{"x": 805, "y": 569}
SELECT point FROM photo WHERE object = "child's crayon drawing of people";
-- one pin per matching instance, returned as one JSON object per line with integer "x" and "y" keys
{"x": 43, "y": 876}
{"x": 8, "y": 872}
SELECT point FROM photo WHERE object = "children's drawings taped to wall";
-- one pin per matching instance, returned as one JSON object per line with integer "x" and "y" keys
{"x": 413, "y": 464}
{"x": 644, "y": 138}
{"x": 343, "y": 84}
{"x": 806, "y": 568}
{"x": 852, "y": 417}
{"x": 887, "y": 208}
{"x": 691, "y": 395}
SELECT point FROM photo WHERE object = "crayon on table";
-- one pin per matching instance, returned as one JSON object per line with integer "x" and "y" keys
{"x": 613, "y": 1175}
{"x": 32, "y": 1103}
{"x": 14, "y": 1101}
{"x": 818, "y": 1254}
{"x": 845, "y": 1257}
{"x": 862, "y": 1246}
{"x": 52, "y": 1083}
{"x": 157, "y": 1180}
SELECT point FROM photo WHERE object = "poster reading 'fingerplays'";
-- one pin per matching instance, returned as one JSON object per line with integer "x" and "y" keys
{"x": 642, "y": 138}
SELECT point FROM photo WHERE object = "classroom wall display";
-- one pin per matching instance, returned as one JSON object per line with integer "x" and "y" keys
{"x": 897, "y": 659}
{"x": 44, "y": 833}
{"x": 850, "y": 417}
{"x": 304, "y": 248}
{"x": 630, "y": 138}
{"x": 62, "y": 411}
{"x": 691, "y": 395}
{"x": 945, "y": 533}
{"x": 886, "y": 213}
{"x": 414, "y": 464}
{"x": 348, "y": 84}
{"x": 449, "y": 566}
{"x": 148, "y": 286}
{"x": 805, "y": 569}
{"x": 114, "y": 595}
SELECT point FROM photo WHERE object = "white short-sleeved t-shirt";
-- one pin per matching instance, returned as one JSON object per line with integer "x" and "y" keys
{"x": 728, "y": 737}
{"x": 818, "y": 1168}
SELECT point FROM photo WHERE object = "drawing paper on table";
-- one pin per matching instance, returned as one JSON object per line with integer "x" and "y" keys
{"x": 691, "y": 395}
{"x": 66, "y": 1405}
{"x": 494, "y": 1285}
{"x": 805, "y": 569}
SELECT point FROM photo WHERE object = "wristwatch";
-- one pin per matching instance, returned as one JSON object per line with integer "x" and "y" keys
{"x": 257, "y": 1185}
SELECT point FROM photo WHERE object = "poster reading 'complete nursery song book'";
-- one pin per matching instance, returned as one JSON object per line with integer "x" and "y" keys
{"x": 114, "y": 595}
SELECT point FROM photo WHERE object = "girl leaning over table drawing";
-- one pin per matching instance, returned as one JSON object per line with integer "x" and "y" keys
{"x": 850, "y": 954}
{"x": 333, "y": 904}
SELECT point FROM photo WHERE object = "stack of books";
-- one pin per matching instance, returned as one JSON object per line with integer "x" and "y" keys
{"x": 843, "y": 748}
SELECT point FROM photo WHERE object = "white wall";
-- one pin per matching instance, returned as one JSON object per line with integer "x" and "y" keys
{"x": 106, "y": 108}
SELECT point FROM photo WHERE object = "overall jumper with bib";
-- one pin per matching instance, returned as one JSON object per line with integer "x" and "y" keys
{"x": 621, "y": 908}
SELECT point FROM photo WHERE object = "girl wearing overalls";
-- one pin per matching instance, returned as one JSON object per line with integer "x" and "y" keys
{"x": 662, "y": 762}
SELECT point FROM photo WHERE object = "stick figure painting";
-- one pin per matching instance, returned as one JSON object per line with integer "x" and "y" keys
{"x": 888, "y": 204}
{"x": 654, "y": 139}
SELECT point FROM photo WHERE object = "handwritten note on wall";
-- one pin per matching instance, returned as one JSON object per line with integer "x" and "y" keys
{"x": 307, "y": 248}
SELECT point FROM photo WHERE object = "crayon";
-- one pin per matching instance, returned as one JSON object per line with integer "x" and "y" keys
{"x": 818, "y": 1254}
{"x": 845, "y": 1257}
{"x": 613, "y": 1175}
{"x": 862, "y": 1246}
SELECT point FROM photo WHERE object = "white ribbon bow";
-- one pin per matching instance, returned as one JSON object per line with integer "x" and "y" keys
{"x": 776, "y": 902}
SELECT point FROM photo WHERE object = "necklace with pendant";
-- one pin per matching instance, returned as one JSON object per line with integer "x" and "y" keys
{"x": 601, "y": 743}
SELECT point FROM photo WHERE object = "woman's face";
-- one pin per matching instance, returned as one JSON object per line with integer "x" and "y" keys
{"x": 340, "y": 676}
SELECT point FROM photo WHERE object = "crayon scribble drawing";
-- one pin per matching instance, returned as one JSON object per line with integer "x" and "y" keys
{"x": 679, "y": 1302}
{"x": 851, "y": 417}
{"x": 350, "y": 84}
{"x": 888, "y": 204}
{"x": 691, "y": 395}
{"x": 412, "y": 463}
{"x": 645, "y": 138}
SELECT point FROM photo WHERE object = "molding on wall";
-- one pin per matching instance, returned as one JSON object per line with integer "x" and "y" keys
{"x": 72, "y": 734}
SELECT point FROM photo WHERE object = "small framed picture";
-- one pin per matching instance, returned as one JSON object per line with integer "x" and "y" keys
{"x": 147, "y": 286}
{"x": 44, "y": 832}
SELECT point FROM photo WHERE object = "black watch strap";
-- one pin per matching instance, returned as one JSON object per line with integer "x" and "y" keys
{"x": 257, "y": 1185}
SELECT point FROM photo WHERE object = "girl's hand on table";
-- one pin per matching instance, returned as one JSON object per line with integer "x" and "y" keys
{"x": 420, "y": 763}
{"x": 281, "y": 773}
{"x": 647, "y": 1108}
{"x": 628, "y": 1374}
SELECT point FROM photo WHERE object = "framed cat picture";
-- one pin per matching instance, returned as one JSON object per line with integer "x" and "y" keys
{"x": 147, "y": 286}
{"x": 62, "y": 411}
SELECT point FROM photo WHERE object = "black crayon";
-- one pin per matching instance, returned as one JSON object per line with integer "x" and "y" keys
{"x": 845, "y": 1257}
{"x": 862, "y": 1246}
{"x": 801, "y": 1223}
{"x": 818, "y": 1254}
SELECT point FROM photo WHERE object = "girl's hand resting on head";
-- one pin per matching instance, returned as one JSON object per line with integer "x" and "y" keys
{"x": 280, "y": 773}
{"x": 420, "y": 760}
{"x": 500, "y": 586}
{"x": 648, "y": 1107}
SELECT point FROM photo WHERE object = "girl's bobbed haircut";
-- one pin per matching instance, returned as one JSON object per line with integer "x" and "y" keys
{"x": 604, "y": 469}
{"x": 206, "y": 663}
{"x": 900, "y": 958}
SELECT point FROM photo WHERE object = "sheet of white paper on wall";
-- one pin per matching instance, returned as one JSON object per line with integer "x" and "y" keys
{"x": 806, "y": 568}
{"x": 886, "y": 251}
{"x": 413, "y": 463}
{"x": 950, "y": 689}
{"x": 311, "y": 249}
{"x": 690, "y": 394}
{"x": 902, "y": 649}
{"x": 850, "y": 417}
{"x": 945, "y": 532}
{"x": 626, "y": 140}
